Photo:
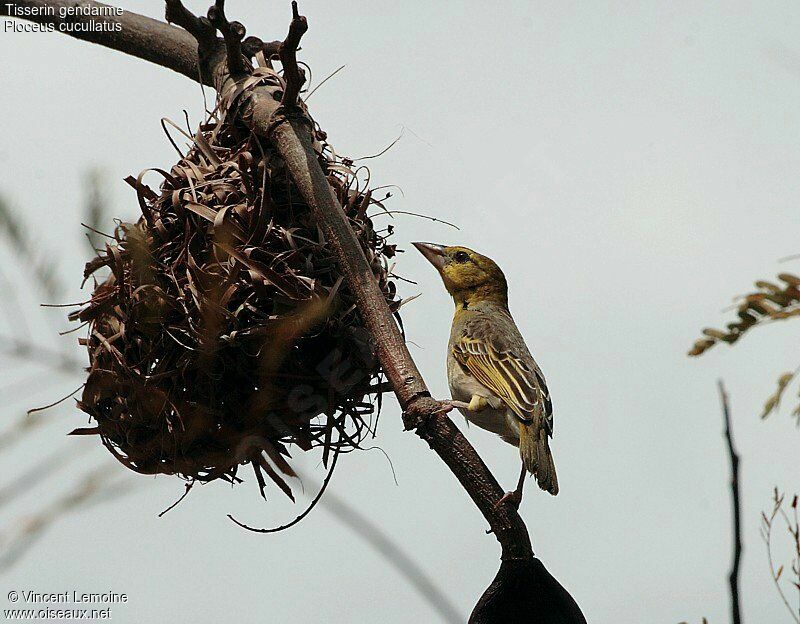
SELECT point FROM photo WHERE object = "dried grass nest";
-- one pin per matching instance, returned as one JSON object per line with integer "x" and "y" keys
{"x": 224, "y": 332}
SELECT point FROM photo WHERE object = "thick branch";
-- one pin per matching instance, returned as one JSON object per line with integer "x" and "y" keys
{"x": 733, "y": 577}
{"x": 252, "y": 45}
{"x": 293, "y": 142}
{"x": 289, "y": 132}
{"x": 139, "y": 36}
{"x": 201, "y": 29}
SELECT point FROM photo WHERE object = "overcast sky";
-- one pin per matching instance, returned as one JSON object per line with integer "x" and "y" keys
{"x": 631, "y": 166}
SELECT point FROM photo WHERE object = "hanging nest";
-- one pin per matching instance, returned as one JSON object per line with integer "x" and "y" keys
{"x": 224, "y": 332}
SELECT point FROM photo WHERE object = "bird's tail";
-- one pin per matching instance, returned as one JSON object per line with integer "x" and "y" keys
{"x": 534, "y": 449}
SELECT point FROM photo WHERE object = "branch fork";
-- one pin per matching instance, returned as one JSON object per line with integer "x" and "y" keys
{"x": 204, "y": 30}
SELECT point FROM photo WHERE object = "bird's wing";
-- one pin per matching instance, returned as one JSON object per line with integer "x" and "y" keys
{"x": 519, "y": 384}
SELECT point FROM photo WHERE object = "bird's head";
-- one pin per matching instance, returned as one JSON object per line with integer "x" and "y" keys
{"x": 467, "y": 275}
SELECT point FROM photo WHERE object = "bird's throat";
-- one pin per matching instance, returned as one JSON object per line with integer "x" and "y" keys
{"x": 485, "y": 293}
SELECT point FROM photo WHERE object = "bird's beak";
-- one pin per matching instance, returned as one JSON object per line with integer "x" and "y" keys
{"x": 433, "y": 253}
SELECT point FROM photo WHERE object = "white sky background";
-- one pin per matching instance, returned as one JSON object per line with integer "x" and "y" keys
{"x": 631, "y": 167}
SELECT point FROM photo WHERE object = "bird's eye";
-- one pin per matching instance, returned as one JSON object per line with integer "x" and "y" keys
{"x": 461, "y": 256}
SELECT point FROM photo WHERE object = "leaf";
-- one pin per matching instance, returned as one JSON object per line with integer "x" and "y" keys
{"x": 770, "y": 302}
{"x": 790, "y": 279}
{"x": 774, "y": 401}
{"x": 203, "y": 211}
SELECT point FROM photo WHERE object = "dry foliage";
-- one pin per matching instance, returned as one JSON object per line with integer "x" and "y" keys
{"x": 224, "y": 332}
{"x": 773, "y": 403}
{"x": 29, "y": 251}
{"x": 778, "y": 572}
{"x": 771, "y": 302}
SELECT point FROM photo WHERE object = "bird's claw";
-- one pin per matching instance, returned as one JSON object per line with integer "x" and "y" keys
{"x": 445, "y": 407}
{"x": 512, "y": 498}
{"x": 448, "y": 405}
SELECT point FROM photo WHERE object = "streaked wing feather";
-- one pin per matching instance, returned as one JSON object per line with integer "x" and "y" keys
{"x": 521, "y": 389}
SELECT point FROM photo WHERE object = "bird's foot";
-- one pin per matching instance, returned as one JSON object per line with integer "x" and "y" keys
{"x": 452, "y": 403}
{"x": 512, "y": 498}
{"x": 447, "y": 405}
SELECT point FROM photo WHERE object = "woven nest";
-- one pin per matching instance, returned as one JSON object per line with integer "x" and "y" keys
{"x": 224, "y": 332}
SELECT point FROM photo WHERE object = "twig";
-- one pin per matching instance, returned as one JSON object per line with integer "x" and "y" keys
{"x": 794, "y": 531}
{"x": 26, "y": 480}
{"x": 733, "y": 578}
{"x": 416, "y": 214}
{"x": 188, "y": 487}
{"x": 288, "y": 54}
{"x": 199, "y": 27}
{"x": 302, "y": 515}
{"x": 384, "y": 150}
{"x": 52, "y": 358}
{"x": 94, "y": 487}
{"x": 326, "y": 79}
{"x": 232, "y": 33}
{"x": 391, "y": 550}
{"x": 253, "y": 45}
{"x": 292, "y": 139}
{"x": 54, "y": 403}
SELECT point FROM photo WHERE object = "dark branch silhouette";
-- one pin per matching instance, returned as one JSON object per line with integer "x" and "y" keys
{"x": 288, "y": 55}
{"x": 733, "y": 577}
{"x": 768, "y": 526}
{"x": 371, "y": 532}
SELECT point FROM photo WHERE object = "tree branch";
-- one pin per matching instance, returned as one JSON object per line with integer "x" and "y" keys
{"x": 201, "y": 29}
{"x": 232, "y": 33}
{"x": 140, "y": 36}
{"x": 733, "y": 577}
{"x": 288, "y": 130}
{"x": 288, "y": 54}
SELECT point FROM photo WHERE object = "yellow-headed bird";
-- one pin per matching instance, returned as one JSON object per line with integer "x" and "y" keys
{"x": 494, "y": 380}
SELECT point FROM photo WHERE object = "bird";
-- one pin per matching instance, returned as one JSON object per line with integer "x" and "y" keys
{"x": 494, "y": 380}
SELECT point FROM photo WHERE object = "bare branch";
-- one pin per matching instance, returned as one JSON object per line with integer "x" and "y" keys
{"x": 767, "y": 528}
{"x": 253, "y": 45}
{"x": 130, "y": 33}
{"x": 97, "y": 485}
{"x": 232, "y": 33}
{"x": 733, "y": 577}
{"x": 287, "y": 52}
{"x": 200, "y": 28}
{"x": 51, "y": 358}
{"x": 393, "y": 552}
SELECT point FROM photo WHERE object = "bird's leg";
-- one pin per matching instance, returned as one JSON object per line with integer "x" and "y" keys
{"x": 447, "y": 406}
{"x": 514, "y": 498}
{"x": 476, "y": 404}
